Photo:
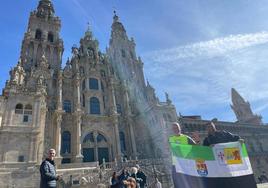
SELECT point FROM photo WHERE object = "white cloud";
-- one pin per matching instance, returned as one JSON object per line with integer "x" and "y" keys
{"x": 204, "y": 73}
{"x": 218, "y": 46}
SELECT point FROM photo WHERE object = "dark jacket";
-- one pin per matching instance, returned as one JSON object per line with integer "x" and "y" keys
{"x": 142, "y": 176}
{"x": 122, "y": 177}
{"x": 220, "y": 137}
{"x": 48, "y": 174}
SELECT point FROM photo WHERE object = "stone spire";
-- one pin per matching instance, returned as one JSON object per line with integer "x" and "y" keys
{"x": 243, "y": 110}
{"x": 45, "y": 9}
{"x": 118, "y": 29}
{"x": 150, "y": 93}
{"x": 236, "y": 97}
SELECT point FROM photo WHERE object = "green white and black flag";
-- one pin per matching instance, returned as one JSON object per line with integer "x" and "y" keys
{"x": 225, "y": 165}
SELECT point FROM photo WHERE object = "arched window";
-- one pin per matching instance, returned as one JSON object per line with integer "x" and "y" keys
{"x": 94, "y": 105}
{"x": 19, "y": 109}
{"x": 122, "y": 141}
{"x": 89, "y": 138}
{"x": 50, "y": 37}
{"x": 93, "y": 83}
{"x": 28, "y": 109}
{"x": 101, "y": 138}
{"x": 95, "y": 147}
{"x": 66, "y": 142}
{"x": 67, "y": 106}
{"x": 38, "y": 34}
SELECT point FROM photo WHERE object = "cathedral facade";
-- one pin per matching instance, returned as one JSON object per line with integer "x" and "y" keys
{"x": 98, "y": 107}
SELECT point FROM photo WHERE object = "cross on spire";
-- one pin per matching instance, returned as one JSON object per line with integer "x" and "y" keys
{"x": 88, "y": 26}
{"x": 115, "y": 16}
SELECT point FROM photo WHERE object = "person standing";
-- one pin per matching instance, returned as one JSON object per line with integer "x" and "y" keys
{"x": 115, "y": 183}
{"x": 142, "y": 176}
{"x": 123, "y": 176}
{"x": 178, "y": 137}
{"x": 217, "y": 136}
{"x": 48, "y": 174}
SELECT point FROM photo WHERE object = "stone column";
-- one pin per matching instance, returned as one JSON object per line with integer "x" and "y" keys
{"x": 96, "y": 154}
{"x": 57, "y": 136}
{"x": 32, "y": 149}
{"x": 78, "y": 156}
{"x": 77, "y": 85}
{"x": 78, "y": 121}
{"x": 58, "y": 118}
{"x": 60, "y": 56}
{"x": 59, "y": 104}
{"x": 115, "y": 122}
{"x": 133, "y": 142}
{"x": 130, "y": 123}
{"x": 41, "y": 137}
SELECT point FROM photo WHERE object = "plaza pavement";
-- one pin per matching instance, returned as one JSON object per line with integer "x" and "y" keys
{"x": 264, "y": 185}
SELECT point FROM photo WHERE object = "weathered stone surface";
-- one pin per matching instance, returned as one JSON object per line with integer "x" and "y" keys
{"x": 97, "y": 109}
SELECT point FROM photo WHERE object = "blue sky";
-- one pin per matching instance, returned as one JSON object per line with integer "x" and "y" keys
{"x": 196, "y": 50}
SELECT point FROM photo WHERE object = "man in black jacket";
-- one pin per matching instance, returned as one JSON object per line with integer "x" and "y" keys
{"x": 141, "y": 176}
{"x": 48, "y": 171}
{"x": 216, "y": 137}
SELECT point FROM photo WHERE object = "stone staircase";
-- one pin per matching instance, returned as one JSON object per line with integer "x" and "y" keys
{"x": 85, "y": 175}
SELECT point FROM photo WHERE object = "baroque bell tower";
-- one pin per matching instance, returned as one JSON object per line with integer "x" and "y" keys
{"x": 42, "y": 43}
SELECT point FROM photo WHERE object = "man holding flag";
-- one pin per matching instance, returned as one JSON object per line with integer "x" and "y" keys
{"x": 225, "y": 165}
{"x": 216, "y": 137}
{"x": 178, "y": 137}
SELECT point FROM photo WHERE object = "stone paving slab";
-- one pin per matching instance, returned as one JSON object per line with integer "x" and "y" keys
{"x": 264, "y": 185}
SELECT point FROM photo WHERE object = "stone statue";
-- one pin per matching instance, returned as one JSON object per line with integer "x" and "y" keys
{"x": 75, "y": 52}
{"x": 43, "y": 62}
{"x": 41, "y": 80}
{"x": 90, "y": 53}
{"x": 167, "y": 98}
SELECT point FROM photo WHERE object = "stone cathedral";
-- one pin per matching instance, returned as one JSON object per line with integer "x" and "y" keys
{"x": 98, "y": 108}
{"x": 88, "y": 111}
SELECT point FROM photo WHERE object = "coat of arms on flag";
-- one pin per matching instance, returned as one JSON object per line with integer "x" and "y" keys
{"x": 232, "y": 156}
{"x": 229, "y": 156}
{"x": 201, "y": 167}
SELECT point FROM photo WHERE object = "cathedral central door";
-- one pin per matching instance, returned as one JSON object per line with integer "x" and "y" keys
{"x": 103, "y": 153}
{"x": 88, "y": 154}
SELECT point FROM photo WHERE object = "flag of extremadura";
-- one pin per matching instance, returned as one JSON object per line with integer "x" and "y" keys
{"x": 225, "y": 165}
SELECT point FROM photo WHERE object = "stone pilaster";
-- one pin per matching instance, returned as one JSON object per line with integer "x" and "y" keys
{"x": 115, "y": 121}
{"x": 59, "y": 104}
{"x": 77, "y": 86}
{"x": 78, "y": 148}
{"x": 39, "y": 122}
{"x": 130, "y": 123}
{"x": 78, "y": 120}
{"x": 57, "y": 141}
